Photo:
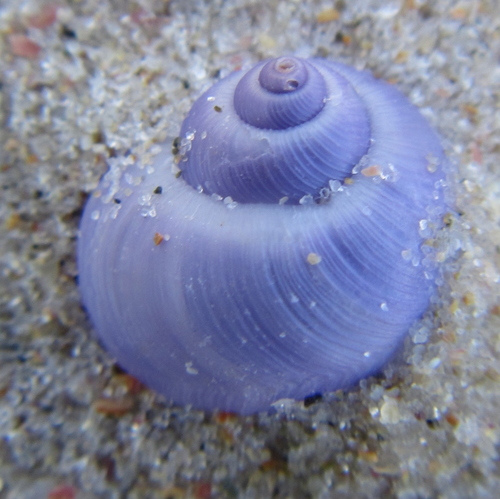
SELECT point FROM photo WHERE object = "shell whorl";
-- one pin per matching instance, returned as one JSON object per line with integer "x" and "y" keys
{"x": 280, "y": 132}
{"x": 280, "y": 94}
{"x": 234, "y": 303}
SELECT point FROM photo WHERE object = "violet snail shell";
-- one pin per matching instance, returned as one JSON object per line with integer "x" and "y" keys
{"x": 289, "y": 256}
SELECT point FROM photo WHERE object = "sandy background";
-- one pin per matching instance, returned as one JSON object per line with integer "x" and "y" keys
{"x": 87, "y": 80}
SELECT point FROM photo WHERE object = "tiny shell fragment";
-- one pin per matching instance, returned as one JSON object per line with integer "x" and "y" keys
{"x": 371, "y": 171}
{"x": 401, "y": 57}
{"x": 328, "y": 15}
{"x": 202, "y": 490}
{"x": 158, "y": 238}
{"x": 452, "y": 419}
{"x": 22, "y": 46}
{"x": 113, "y": 406}
{"x": 62, "y": 492}
{"x": 313, "y": 258}
{"x": 368, "y": 456}
{"x": 459, "y": 13}
{"x": 469, "y": 298}
{"x": 44, "y": 17}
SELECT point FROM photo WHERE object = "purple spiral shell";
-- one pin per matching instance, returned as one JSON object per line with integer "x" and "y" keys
{"x": 289, "y": 257}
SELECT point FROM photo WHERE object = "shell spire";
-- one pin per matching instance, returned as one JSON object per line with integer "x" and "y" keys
{"x": 280, "y": 94}
{"x": 240, "y": 133}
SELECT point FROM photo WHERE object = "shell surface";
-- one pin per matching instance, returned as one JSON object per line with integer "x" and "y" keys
{"x": 289, "y": 257}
